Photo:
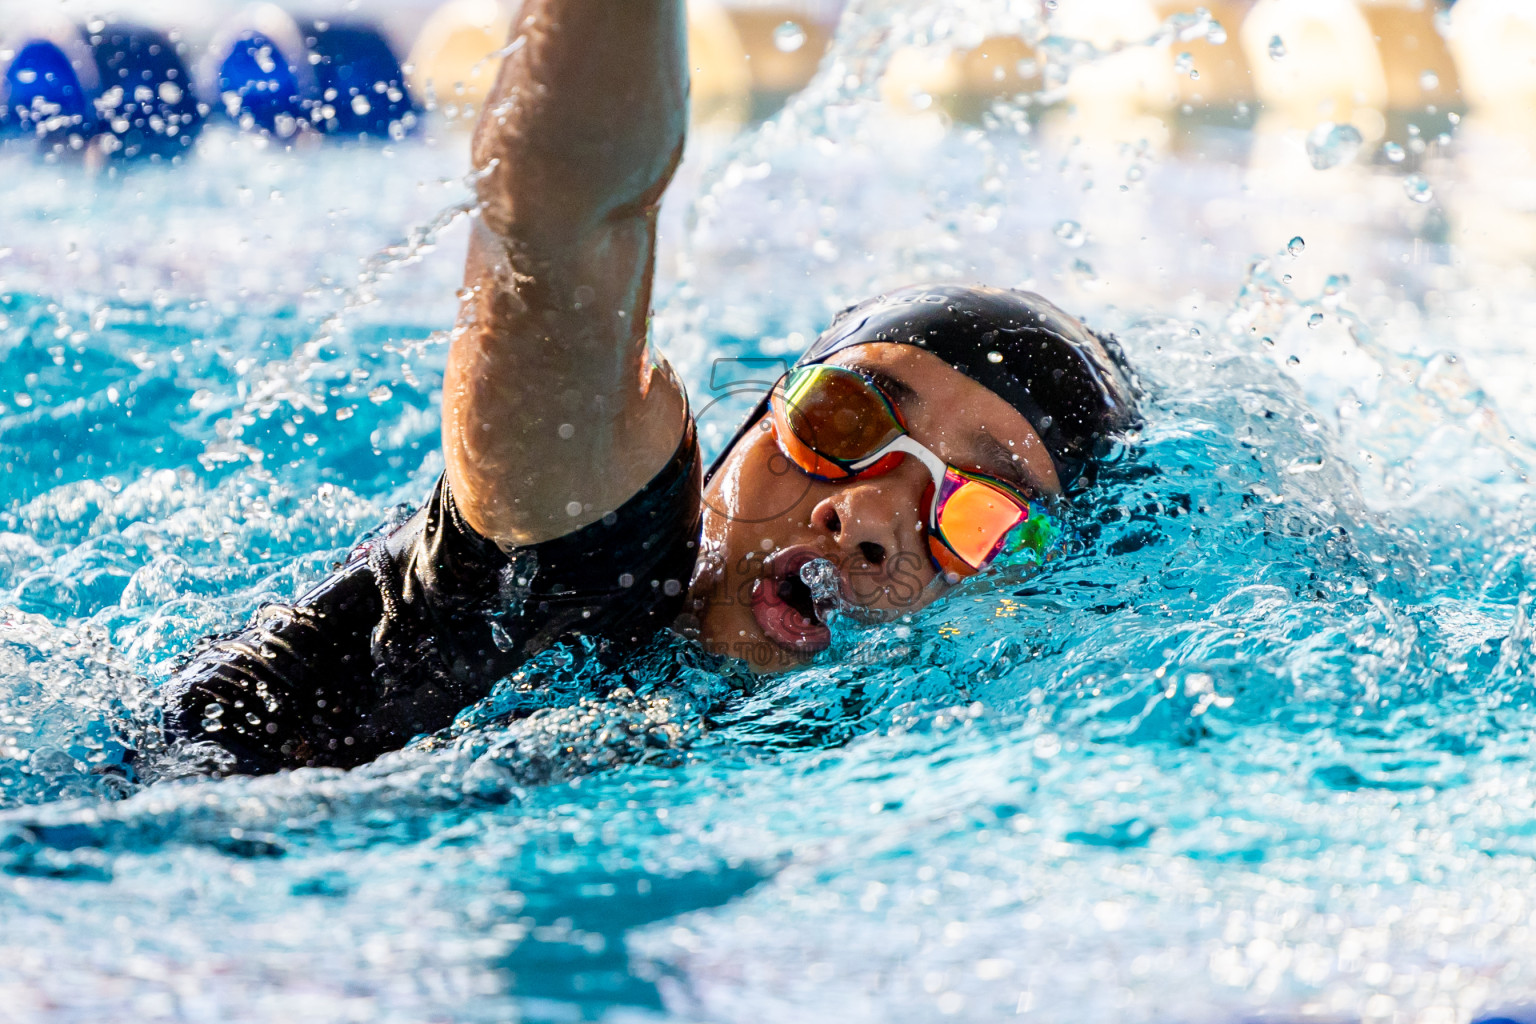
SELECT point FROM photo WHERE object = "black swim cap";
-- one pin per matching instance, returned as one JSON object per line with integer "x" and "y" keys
{"x": 1072, "y": 385}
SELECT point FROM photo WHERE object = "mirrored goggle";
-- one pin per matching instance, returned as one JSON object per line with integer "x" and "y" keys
{"x": 835, "y": 424}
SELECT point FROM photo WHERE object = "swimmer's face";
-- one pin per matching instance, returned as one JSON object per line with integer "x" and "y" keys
{"x": 764, "y": 518}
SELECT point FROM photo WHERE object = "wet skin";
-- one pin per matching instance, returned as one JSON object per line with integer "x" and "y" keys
{"x": 764, "y": 518}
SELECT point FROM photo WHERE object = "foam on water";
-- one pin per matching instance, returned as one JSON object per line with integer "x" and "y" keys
{"x": 1260, "y": 740}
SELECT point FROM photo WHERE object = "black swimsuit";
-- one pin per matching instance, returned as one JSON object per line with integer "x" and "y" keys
{"x": 419, "y": 625}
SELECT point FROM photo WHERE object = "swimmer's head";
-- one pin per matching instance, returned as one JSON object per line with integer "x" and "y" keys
{"x": 995, "y": 382}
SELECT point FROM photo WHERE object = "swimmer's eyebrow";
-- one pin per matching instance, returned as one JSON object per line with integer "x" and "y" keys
{"x": 997, "y": 461}
{"x": 896, "y": 389}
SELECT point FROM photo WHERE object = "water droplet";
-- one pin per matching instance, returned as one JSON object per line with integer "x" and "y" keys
{"x": 213, "y": 711}
{"x": 380, "y": 394}
{"x": 1071, "y": 234}
{"x": 1393, "y": 152}
{"x": 1429, "y": 81}
{"x": 1217, "y": 35}
{"x": 1418, "y": 188}
{"x": 788, "y": 37}
{"x": 1292, "y": 360}
{"x": 573, "y": 508}
{"x": 1268, "y": 341}
{"x": 1296, "y": 246}
{"x": 1330, "y": 145}
{"x": 1276, "y": 48}
{"x": 567, "y": 431}
{"x": 1315, "y": 320}
{"x": 994, "y": 357}
{"x": 1185, "y": 64}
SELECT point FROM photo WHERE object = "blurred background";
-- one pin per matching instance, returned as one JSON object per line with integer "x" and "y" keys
{"x": 1391, "y": 137}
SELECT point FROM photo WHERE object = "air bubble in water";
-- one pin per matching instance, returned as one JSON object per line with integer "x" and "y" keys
{"x": 788, "y": 37}
{"x": 1185, "y": 65}
{"x": 1393, "y": 152}
{"x": 380, "y": 394}
{"x": 1071, "y": 234}
{"x": 1296, "y": 246}
{"x": 1429, "y": 81}
{"x": 1330, "y": 145}
{"x": 1217, "y": 36}
{"x": 1418, "y": 188}
{"x": 1276, "y": 48}
{"x": 1315, "y": 320}
{"x": 820, "y": 575}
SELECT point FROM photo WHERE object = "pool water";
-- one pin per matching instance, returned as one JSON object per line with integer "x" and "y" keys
{"x": 1260, "y": 743}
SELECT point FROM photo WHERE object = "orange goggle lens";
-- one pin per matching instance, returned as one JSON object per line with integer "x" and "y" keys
{"x": 970, "y": 521}
{"x": 829, "y": 418}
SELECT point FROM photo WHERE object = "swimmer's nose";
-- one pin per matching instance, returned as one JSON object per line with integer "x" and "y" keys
{"x": 865, "y": 523}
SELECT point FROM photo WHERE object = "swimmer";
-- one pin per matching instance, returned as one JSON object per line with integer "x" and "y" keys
{"x": 899, "y": 455}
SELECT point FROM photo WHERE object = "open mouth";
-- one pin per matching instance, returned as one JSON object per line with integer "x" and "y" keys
{"x": 784, "y": 606}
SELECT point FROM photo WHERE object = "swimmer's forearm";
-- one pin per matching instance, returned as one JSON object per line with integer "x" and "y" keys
{"x": 587, "y": 116}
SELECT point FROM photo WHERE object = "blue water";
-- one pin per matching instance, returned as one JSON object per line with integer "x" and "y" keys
{"x": 1260, "y": 743}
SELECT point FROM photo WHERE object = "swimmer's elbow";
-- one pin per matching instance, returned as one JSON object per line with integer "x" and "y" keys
{"x": 529, "y": 193}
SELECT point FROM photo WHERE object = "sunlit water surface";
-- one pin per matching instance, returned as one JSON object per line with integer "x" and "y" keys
{"x": 1262, "y": 741}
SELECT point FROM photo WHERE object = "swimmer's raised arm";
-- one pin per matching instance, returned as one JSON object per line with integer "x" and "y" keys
{"x": 552, "y": 416}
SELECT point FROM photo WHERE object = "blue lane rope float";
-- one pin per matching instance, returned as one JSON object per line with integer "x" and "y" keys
{"x": 268, "y": 72}
{"x": 118, "y": 90}
{"x": 258, "y": 73}
{"x": 362, "y": 89}
{"x": 48, "y": 84}
{"x": 146, "y": 107}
